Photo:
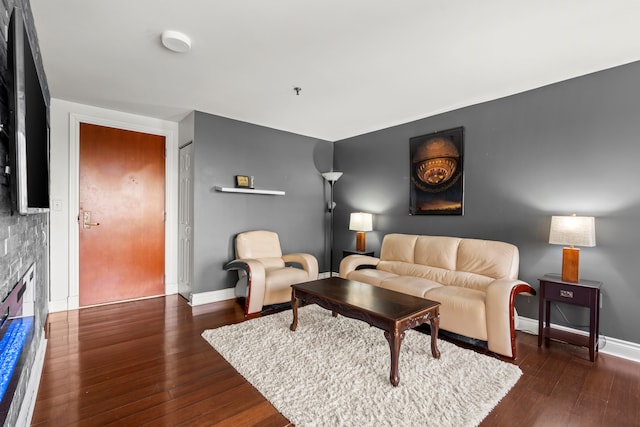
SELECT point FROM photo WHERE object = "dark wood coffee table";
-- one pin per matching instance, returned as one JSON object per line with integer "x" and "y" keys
{"x": 391, "y": 311}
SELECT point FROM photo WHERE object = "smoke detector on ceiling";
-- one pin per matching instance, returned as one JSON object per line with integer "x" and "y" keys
{"x": 176, "y": 41}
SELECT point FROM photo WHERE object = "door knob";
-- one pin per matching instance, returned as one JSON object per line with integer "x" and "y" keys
{"x": 86, "y": 220}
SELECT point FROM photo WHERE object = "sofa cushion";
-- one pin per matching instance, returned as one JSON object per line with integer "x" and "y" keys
{"x": 488, "y": 258}
{"x": 398, "y": 247}
{"x": 369, "y": 275}
{"x": 395, "y": 267}
{"x": 407, "y": 269}
{"x": 462, "y": 310}
{"x": 409, "y": 285}
{"x": 437, "y": 251}
{"x": 467, "y": 280}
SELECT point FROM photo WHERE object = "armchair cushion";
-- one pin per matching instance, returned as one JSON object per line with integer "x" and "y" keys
{"x": 258, "y": 244}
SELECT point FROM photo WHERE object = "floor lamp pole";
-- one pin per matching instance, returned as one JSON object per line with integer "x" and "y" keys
{"x": 331, "y": 233}
{"x": 332, "y": 177}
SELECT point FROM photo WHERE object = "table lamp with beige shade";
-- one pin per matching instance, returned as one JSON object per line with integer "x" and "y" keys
{"x": 572, "y": 231}
{"x": 361, "y": 222}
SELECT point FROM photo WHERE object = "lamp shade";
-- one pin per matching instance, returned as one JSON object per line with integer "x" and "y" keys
{"x": 332, "y": 176}
{"x": 573, "y": 230}
{"x": 360, "y": 221}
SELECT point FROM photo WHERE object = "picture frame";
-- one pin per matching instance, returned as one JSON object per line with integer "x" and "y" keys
{"x": 243, "y": 181}
{"x": 437, "y": 173}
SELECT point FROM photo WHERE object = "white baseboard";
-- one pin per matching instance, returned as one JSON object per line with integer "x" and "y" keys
{"x": 608, "y": 345}
{"x": 229, "y": 293}
{"x": 29, "y": 401}
{"x": 211, "y": 296}
{"x": 326, "y": 275}
{"x": 73, "y": 303}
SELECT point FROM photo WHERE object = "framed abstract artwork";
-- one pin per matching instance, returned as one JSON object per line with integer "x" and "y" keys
{"x": 437, "y": 173}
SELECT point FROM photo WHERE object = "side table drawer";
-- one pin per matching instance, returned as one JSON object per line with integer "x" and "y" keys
{"x": 566, "y": 293}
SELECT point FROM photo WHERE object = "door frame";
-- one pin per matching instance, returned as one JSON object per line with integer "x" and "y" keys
{"x": 171, "y": 199}
{"x": 185, "y": 288}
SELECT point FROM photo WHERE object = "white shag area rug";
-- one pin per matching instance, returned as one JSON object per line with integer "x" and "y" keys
{"x": 335, "y": 372}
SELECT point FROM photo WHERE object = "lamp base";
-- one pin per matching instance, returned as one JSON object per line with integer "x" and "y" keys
{"x": 570, "y": 264}
{"x": 360, "y": 241}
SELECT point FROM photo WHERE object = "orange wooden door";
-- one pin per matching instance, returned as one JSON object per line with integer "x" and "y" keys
{"x": 121, "y": 218}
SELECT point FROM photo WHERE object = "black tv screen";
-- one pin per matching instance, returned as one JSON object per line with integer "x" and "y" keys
{"x": 29, "y": 126}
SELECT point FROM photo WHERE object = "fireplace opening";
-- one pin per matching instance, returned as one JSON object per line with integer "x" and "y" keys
{"x": 16, "y": 334}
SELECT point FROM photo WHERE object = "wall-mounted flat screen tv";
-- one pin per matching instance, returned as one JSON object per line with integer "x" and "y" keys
{"x": 28, "y": 124}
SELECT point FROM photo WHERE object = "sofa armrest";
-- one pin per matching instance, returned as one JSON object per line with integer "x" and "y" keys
{"x": 499, "y": 305}
{"x": 352, "y": 262}
{"x": 256, "y": 281}
{"x": 308, "y": 262}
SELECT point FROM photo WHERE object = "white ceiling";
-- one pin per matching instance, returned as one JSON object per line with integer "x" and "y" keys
{"x": 362, "y": 65}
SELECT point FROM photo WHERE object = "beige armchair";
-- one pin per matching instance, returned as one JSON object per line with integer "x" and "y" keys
{"x": 263, "y": 275}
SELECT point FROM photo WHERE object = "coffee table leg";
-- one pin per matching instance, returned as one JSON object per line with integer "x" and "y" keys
{"x": 294, "y": 306}
{"x": 435, "y": 324}
{"x": 395, "y": 339}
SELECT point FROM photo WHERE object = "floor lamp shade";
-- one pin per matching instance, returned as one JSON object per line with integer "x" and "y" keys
{"x": 361, "y": 222}
{"x": 572, "y": 231}
{"x": 332, "y": 176}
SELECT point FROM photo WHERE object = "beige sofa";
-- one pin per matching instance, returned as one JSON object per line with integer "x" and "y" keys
{"x": 474, "y": 280}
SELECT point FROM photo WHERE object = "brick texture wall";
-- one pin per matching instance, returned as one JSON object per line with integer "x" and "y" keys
{"x": 23, "y": 239}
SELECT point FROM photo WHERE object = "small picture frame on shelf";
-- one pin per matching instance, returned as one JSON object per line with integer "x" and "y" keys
{"x": 244, "y": 181}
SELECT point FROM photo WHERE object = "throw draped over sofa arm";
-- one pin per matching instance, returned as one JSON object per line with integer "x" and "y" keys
{"x": 265, "y": 275}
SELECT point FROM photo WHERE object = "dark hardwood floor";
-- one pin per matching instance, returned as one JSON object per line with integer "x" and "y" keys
{"x": 144, "y": 363}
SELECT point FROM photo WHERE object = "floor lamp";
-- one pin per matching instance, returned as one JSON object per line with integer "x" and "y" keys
{"x": 332, "y": 177}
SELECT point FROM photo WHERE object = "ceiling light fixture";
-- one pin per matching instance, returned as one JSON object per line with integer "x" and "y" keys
{"x": 297, "y": 89}
{"x": 176, "y": 41}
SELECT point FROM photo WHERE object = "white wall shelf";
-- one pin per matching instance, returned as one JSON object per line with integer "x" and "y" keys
{"x": 248, "y": 190}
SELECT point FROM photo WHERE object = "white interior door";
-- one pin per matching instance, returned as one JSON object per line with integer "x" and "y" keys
{"x": 185, "y": 226}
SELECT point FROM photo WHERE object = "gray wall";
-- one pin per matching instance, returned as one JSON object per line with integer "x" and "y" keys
{"x": 25, "y": 237}
{"x": 279, "y": 161}
{"x": 568, "y": 147}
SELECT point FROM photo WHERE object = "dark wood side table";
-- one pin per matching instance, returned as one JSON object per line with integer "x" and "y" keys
{"x": 585, "y": 293}
{"x": 347, "y": 252}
